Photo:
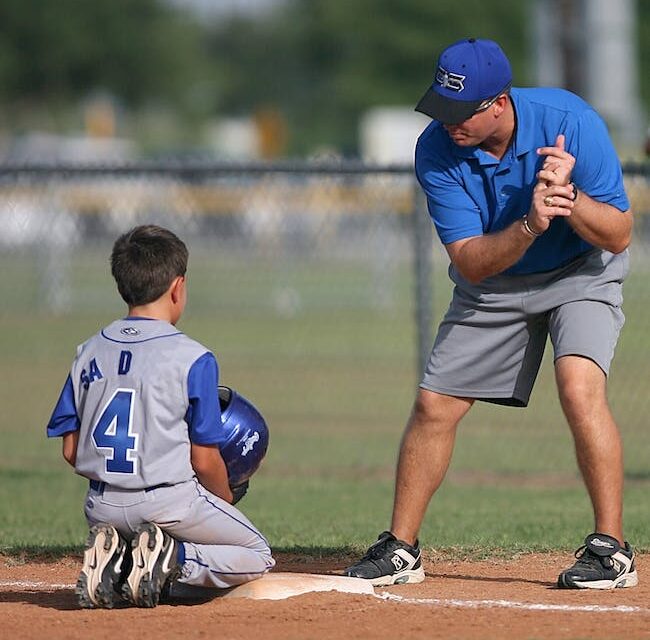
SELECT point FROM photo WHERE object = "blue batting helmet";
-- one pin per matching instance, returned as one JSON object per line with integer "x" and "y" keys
{"x": 247, "y": 436}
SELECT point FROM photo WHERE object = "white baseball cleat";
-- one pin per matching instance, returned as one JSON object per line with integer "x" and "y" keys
{"x": 98, "y": 583}
{"x": 155, "y": 563}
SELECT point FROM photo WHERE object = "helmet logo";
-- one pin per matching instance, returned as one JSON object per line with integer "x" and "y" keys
{"x": 249, "y": 443}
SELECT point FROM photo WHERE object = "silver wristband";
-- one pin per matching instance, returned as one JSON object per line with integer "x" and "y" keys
{"x": 528, "y": 228}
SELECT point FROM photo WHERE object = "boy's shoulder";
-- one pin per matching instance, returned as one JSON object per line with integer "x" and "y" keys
{"x": 139, "y": 330}
{"x": 133, "y": 332}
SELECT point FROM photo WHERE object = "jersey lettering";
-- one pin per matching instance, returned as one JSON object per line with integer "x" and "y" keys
{"x": 94, "y": 373}
{"x": 113, "y": 433}
{"x": 125, "y": 362}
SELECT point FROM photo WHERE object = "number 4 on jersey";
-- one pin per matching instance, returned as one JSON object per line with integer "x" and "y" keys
{"x": 113, "y": 434}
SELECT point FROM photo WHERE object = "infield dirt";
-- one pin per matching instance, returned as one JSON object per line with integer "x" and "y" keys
{"x": 502, "y": 599}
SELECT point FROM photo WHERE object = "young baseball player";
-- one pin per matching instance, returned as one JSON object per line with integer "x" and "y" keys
{"x": 139, "y": 415}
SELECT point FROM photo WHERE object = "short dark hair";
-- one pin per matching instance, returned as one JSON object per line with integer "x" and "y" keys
{"x": 145, "y": 261}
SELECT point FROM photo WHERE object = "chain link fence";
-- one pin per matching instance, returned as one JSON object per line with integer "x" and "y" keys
{"x": 319, "y": 286}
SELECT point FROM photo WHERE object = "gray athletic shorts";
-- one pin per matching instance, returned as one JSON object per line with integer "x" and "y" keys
{"x": 491, "y": 341}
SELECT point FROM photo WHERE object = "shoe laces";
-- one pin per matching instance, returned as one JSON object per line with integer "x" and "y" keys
{"x": 387, "y": 542}
{"x": 379, "y": 548}
{"x": 588, "y": 558}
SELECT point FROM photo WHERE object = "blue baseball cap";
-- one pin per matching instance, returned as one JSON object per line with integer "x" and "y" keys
{"x": 470, "y": 73}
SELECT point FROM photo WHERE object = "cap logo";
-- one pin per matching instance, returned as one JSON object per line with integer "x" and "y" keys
{"x": 448, "y": 80}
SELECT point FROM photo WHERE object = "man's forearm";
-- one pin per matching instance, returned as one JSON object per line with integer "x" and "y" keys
{"x": 600, "y": 224}
{"x": 484, "y": 256}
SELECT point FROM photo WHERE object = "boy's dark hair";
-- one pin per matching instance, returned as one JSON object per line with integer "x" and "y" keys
{"x": 145, "y": 261}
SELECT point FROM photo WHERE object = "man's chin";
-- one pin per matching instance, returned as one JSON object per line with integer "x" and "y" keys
{"x": 463, "y": 141}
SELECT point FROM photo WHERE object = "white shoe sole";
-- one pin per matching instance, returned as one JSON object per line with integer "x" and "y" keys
{"x": 146, "y": 579}
{"x": 409, "y": 576}
{"x": 146, "y": 549}
{"x": 626, "y": 580}
{"x": 93, "y": 590}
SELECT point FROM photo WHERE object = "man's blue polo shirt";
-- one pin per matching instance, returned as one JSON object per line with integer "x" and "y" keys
{"x": 470, "y": 192}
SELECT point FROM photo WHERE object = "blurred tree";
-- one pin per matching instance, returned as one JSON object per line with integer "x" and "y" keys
{"x": 316, "y": 64}
{"x": 323, "y": 62}
{"x": 139, "y": 51}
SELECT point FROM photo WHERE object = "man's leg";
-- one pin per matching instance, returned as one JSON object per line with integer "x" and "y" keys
{"x": 424, "y": 457}
{"x": 607, "y": 560}
{"x": 582, "y": 389}
{"x": 425, "y": 452}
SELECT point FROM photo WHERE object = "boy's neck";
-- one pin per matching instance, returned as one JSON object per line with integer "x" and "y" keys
{"x": 151, "y": 311}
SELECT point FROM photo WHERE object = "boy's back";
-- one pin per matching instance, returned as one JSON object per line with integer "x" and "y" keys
{"x": 147, "y": 373}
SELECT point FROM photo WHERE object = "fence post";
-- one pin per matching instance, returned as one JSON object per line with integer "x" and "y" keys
{"x": 421, "y": 227}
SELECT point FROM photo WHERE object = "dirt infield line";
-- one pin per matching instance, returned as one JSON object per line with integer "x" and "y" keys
{"x": 432, "y": 602}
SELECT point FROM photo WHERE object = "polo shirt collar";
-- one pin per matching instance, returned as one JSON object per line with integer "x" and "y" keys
{"x": 524, "y": 135}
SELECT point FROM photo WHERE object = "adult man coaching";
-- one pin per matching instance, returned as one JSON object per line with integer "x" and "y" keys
{"x": 526, "y": 193}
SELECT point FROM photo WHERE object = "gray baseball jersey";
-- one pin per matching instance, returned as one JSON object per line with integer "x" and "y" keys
{"x": 136, "y": 385}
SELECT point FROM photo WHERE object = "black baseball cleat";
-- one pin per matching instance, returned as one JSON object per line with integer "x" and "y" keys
{"x": 602, "y": 564}
{"x": 155, "y": 564}
{"x": 99, "y": 582}
{"x": 389, "y": 561}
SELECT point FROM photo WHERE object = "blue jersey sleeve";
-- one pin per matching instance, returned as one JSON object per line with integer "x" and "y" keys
{"x": 598, "y": 170}
{"x": 64, "y": 417}
{"x": 204, "y": 413}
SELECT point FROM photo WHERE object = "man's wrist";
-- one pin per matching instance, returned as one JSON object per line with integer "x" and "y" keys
{"x": 528, "y": 229}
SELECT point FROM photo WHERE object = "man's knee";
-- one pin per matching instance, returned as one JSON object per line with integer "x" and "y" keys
{"x": 582, "y": 387}
{"x": 439, "y": 412}
{"x": 581, "y": 382}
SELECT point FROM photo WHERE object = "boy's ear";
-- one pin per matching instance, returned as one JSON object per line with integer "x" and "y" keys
{"x": 176, "y": 287}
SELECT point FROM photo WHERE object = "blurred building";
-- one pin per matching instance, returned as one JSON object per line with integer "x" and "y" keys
{"x": 39, "y": 147}
{"x": 262, "y": 136}
{"x": 215, "y": 9}
{"x": 387, "y": 135}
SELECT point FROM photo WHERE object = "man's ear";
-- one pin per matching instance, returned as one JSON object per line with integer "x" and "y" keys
{"x": 500, "y": 105}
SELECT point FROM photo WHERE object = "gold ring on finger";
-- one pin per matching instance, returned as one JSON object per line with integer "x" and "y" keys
{"x": 548, "y": 201}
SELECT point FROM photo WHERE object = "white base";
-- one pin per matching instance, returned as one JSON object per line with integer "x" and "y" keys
{"x": 277, "y": 586}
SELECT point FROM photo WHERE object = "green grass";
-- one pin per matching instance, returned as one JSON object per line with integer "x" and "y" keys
{"x": 331, "y": 364}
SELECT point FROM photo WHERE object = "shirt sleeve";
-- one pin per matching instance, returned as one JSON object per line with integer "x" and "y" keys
{"x": 454, "y": 213}
{"x": 598, "y": 170}
{"x": 204, "y": 412}
{"x": 64, "y": 417}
